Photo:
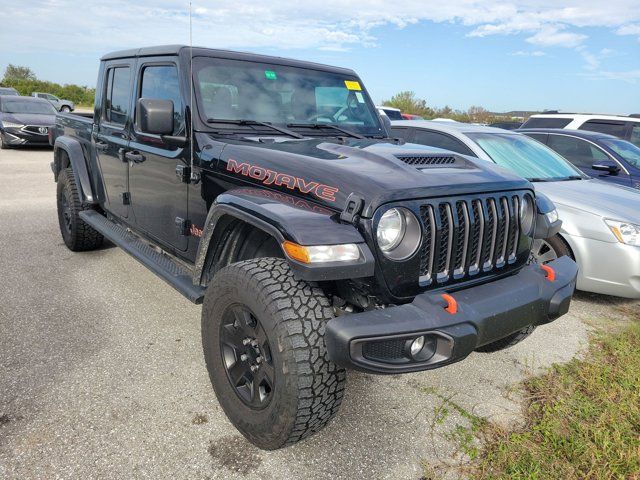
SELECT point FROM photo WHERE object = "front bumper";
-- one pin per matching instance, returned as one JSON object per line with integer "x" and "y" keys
{"x": 16, "y": 137}
{"x": 377, "y": 341}
{"x": 608, "y": 268}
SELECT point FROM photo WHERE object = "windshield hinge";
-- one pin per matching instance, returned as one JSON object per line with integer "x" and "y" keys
{"x": 352, "y": 209}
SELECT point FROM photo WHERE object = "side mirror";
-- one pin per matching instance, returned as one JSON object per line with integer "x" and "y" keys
{"x": 608, "y": 166}
{"x": 154, "y": 116}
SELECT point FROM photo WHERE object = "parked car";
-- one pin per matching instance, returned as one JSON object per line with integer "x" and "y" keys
{"x": 598, "y": 155}
{"x": 390, "y": 112}
{"x": 9, "y": 91}
{"x": 25, "y": 121}
{"x": 411, "y": 116}
{"x": 506, "y": 125}
{"x": 626, "y": 128}
{"x": 294, "y": 217}
{"x": 59, "y": 104}
{"x": 601, "y": 221}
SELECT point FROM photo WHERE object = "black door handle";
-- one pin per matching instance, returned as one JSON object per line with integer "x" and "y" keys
{"x": 135, "y": 156}
{"x": 102, "y": 146}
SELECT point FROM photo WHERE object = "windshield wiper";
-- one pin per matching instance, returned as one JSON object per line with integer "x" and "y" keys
{"x": 539, "y": 179}
{"x": 572, "y": 177}
{"x": 283, "y": 130}
{"x": 318, "y": 126}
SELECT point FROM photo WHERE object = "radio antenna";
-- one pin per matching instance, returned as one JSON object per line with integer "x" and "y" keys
{"x": 192, "y": 175}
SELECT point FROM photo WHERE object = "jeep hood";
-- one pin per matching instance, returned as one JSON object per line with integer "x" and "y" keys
{"x": 368, "y": 168}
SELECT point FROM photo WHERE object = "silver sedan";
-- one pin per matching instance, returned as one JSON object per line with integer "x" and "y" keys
{"x": 601, "y": 221}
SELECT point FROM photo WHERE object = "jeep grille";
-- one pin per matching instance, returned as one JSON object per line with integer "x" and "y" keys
{"x": 468, "y": 236}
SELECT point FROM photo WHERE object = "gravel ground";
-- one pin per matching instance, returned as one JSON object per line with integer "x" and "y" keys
{"x": 102, "y": 374}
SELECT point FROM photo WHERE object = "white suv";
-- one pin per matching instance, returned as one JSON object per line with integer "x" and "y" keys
{"x": 627, "y": 128}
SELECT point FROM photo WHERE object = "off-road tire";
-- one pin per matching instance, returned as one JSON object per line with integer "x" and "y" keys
{"x": 77, "y": 235}
{"x": 508, "y": 341}
{"x": 308, "y": 387}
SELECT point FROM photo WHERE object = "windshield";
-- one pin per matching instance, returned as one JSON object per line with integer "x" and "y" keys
{"x": 236, "y": 90}
{"x": 524, "y": 156}
{"x": 626, "y": 150}
{"x": 27, "y": 106}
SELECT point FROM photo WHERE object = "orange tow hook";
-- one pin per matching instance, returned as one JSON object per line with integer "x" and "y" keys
{"x": 452, "y": 305}
{"x": 551, "y": 274}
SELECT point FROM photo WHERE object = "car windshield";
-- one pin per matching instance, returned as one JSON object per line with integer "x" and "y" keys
{"x": 291, "y": 97}
{"x": 27, "y": 106}
{"x": 525, "y": 156}
{"x": 626, "y": 150}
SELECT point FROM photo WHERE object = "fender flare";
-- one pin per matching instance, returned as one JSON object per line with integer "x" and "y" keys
{"x": 73, "y": 149}
{"x": 285, "y": 217}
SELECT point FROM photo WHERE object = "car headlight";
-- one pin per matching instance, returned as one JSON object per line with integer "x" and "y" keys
{"x": 398, "y": 233}
{"x": 552, "y": 216}
{"x": 527, "y": 214}
{"x": 12, "y": 124}
{"x": 625, "y": 232}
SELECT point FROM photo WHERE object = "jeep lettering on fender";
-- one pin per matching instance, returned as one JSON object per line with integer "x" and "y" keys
{"x": 270, "y": 177}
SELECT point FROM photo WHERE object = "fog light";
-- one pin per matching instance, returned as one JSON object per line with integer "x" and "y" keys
{"x": 416, "y": 346}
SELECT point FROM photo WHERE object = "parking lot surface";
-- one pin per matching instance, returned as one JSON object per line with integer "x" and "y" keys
{"x": 102, "y": 373}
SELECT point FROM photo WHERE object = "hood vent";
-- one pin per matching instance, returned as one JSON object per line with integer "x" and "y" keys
{"x": 424, "y": 160}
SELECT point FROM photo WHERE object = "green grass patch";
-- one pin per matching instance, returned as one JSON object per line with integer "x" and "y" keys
{"x": 583, "y": 419}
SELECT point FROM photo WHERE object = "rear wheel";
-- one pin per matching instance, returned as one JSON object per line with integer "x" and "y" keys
{"x": 65, "y": 108}
{"x": 263, "y": 341}
{"x": 77, "y": 235}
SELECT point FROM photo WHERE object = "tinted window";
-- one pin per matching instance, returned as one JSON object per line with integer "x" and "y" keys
{"x": 17, "y": 105}
{"x": 541, "y": 137}
{"x": 440, "y": 140}
{"x": 393, "y": 114}
{"x": 399, "y": 132}
{"x": 612, "y": 128}
{"x": 161, "y": 83}
{"x": 635, "y": 135}
{"x": 524, "y": 156}
{"x": 117, "y": 95}
{"x": 626, "y": 150}
{"x": 579, "y": 152}
{"x": 241, "y": 90}
{"x": 542, "y": 122}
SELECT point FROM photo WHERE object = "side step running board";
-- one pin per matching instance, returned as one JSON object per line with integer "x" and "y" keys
{"x": 162, "y": 265}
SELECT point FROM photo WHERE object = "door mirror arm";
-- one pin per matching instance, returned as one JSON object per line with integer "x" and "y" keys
{"x": 175, "y": 140}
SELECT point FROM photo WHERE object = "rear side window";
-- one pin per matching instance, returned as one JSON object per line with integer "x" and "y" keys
{"x": 579, "y": 152}
{"x": 117, "y": 95}
{"x": 440, "y": 140}
{"x": 635, "y": 135}
{"x": 160, "y": 82}
{"x": 543, "y": 122}
{"x": 393, "y": 114}
{"x": 612, "y": 128}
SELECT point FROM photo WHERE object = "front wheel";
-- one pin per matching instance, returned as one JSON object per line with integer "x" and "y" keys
{"x": 65, "y": 109}
{"x": 263, "y": 341}
{"x": 552, "y": 248}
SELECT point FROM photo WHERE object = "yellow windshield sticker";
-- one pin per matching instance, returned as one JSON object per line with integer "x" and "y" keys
{"x": 352, "y": 85}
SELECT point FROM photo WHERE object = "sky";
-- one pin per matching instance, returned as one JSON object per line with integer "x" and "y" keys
{"x": 576, "y": 55}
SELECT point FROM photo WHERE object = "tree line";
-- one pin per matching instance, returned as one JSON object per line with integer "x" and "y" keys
{"x": 408, "y": 102}
{"x": 24, "y": 80}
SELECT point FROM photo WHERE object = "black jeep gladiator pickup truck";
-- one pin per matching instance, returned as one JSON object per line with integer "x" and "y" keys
{"x": 269, "y": 190}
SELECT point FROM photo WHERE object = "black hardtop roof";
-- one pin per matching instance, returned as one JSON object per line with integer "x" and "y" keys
{"x": 211, "y": 52}
{"x": 586, "y": 134}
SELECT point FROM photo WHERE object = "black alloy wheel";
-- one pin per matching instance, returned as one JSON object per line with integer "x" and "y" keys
{"x": 246, "y": 356}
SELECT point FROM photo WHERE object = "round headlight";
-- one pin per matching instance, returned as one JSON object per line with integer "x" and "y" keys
{"x": 391, "y": 229}
{"x": 527, "y": 214}
{"x": 398, "y": 233}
